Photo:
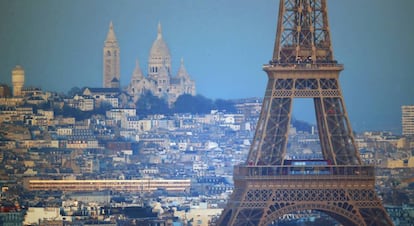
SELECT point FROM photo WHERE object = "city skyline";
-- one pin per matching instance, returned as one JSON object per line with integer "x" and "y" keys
{"x": 218, "y": 41}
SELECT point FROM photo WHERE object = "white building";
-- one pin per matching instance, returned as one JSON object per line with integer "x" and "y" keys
{"x": 17, "y": 80}
{"x": 407, "y": 119}
{"x": 160, "y": 81}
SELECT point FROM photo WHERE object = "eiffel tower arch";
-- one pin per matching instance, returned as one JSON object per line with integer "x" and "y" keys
{"x": 268, "y": 186}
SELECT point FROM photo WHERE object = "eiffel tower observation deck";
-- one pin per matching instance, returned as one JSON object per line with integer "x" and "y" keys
{"x": 270, "y": 188}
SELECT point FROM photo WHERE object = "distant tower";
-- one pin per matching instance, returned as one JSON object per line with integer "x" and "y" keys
{"x": 115, "y": 83}
{"x": 111, "y": 69}
{"x": 269, "y": 186}
{"x": 407, "y": 120}
{"x": 4, "y": 91}
{"x": 17, "y": 80}
{"x": 159, "y": 56}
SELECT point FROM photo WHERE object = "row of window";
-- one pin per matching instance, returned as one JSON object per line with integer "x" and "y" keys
{"x": 108, "y": 53}
{"x": 156, "y": 69}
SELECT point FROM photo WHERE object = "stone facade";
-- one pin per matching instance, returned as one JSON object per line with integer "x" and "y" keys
{"x": 159, "y": 80}
{"x": 111, "y": 60}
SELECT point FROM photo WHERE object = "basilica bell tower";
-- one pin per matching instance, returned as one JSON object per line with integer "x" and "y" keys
{"x": 111, "y": 68}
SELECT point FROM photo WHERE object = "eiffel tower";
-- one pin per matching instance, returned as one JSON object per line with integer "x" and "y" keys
{"x": 269, "y": 187}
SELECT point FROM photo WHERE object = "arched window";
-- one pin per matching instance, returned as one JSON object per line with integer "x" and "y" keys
{"x": 108, "y": 53}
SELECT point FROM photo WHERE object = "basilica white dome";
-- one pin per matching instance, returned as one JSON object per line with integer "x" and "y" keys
{"x": 159, "y": 49}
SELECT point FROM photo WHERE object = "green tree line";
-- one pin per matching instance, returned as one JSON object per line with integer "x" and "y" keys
{"x": 149, "y": 104}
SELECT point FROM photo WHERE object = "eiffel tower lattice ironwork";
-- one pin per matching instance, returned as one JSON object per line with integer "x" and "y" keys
{"x": 269, "y": 187}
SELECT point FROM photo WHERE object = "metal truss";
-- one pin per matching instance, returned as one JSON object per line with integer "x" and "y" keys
{"x": 265, "y": 195}
{"x": 266, "y": 186}
{"x": 303, "y": 32}
{"x": 337, "y": 141}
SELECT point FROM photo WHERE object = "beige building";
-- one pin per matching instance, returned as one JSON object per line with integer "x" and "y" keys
{"x": 111, "y": 60}
{"x": 143, "y": 185}
{"x": 159, "y": 80}
{"x": 400, "y": 163}
{"x": 199, "y": 216}
{"x": 35, "y": 214}
{"x": 17, "y": 80}
{"x": 407, "y": 120}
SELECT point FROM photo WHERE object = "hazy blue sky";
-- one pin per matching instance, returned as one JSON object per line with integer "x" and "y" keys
{"x": 223, "y": 42}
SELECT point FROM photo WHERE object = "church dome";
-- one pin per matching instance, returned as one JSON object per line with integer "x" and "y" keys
{"x": 159, "y": 47}
{"x": 159, "y": 55}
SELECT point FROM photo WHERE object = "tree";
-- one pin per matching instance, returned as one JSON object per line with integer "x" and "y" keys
{"x": 104, "y": 106}
{"x": 75, "y": 91}
{"x": 193, "y": 104}
{"x": 79, "y": 115}
{"x": 225, "y": 105}
{"x": 149, "y": 104}
{"x": 301, "y": 125}
{"x": 186, "y": 103}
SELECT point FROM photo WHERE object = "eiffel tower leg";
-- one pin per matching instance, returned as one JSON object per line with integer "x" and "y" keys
{"x": 269, "y": 200}
{"x": 335, "y": 133}
{"x": 270, "y": 140}
{"x": 239, "y": 212}
{"x": 267, "y": 187}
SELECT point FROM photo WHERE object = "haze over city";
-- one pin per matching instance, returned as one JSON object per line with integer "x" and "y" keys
{"x": 157, "y": 112}
{"x": 223, "y": 43}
